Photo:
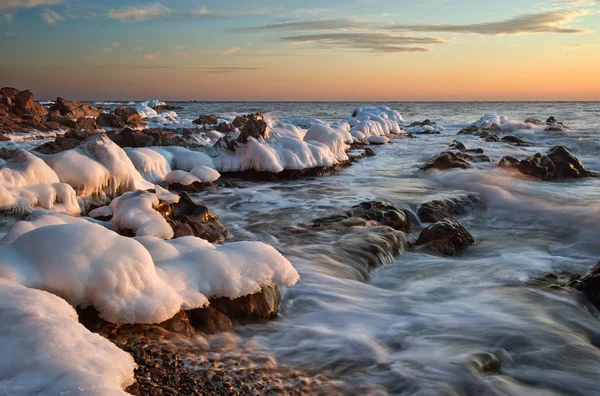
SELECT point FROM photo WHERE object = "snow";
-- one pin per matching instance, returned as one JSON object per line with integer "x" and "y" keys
{"x": 165, "y": 195}
{"x": 146, "y": 108}
{"x": 200, "y": 174}
{"x": 25, "y": 169}
{"x": 489, "y": 120}
{"x": 332, "y": 138}
{"x": 230, "y": 270}
{"x": 45, "y": 350}
{"x": 102, "y": 211}
{"x": 58, "y": 197}
{"x": 426, "y": 128}
{"x": 302, "y": 122}
{"x": 134, "y": 280}
{"x": 150, "y": 163}
{"x": 184, "y": 159}
{"x": 375, "y": 121}
{"x": 378, "y": 140}
{"x": 134, "y": 211}
{"x": 97, "y": 166}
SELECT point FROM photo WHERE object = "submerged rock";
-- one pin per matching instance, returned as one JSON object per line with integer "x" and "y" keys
{"x": 367, "y": 214}
{"x": 437, "y": 210}
{"x": 166, "y": 107}
{"x": 588, "y": 284}
{"x": 515, "y": 140}
{"x": 446, "y": 237}
{"x": 508, "y": 162}
{"x": 446, "y": 160}
{"x": 479, "y": 131}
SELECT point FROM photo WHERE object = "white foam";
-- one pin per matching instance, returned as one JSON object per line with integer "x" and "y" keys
{"x": 45, "y": 350}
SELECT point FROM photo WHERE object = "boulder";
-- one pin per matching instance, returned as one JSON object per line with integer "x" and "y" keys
{"x": 206, "y": 119}
{"x": 508, "y": 162}
{"x": 481, "y": 132}
{"x": 446, "y": 237}
{"x": 422, "y": 123}
{"x": 129, "y": 116}
{"x": 457, "y": 145}
{"x": 588, "y": 284}
{"x": 538, "y": 166}
{"x": 552, "y": 125}
{"x": 75, "y": 109}
{"x": 373, "y": 213}
{"x": 85, "y": 124}
{"x": 492, "y": 138}
{"x": 515, "y": 140}
{"x": 253, "y": 128}
{"x": 224, "y": 127}
{"x": 110, "y": 120}
{"x": 25, "y": 107}
{"x": 240, "y": 121}
{"x": 437, "y": 210}
{"x": 566, "y": 165}
{"x": 446, "y": 160}
{"x": 166, "y": 107}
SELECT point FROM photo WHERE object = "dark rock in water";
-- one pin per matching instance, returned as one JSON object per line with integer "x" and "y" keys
{"x": 588, "y": 284}
{"x": 110, "y": 120}
{"x": 166, "y": 107}
{"x": 457, "y": 145}
{"x": 210, "y": 321}
{"x": 481, "y": 132}
{"x": 515, "y": 140}
{"x": 554, "y": 125}
{"x": 410, "y": 135}
{"x": 428, "y": 132}
{"x": 253, "y": 308}
{"x": 286, "y": 174}
{"x": 131, "y": 138}
{"x": 59, "y": 145}
{"x": 253, "y": 128}
{"x": 558, "y": 164}
{"x": 566, "y": 165}
{"x": 224, "y": 127}
{"x": 446, "y": 237}
{"x": 533, "y": 121}
{"x": 379, "y": 213}
{"x": 475, "y": 151}
{"x": 433, "y": 211}
{"x": 446, "y": 160}
{"x": 538, "y": 166}
{"x": 508, "y": 162}
{"x": 191, "y": 219}
{"x": 366, "y": 152}
{"x": 240, "y": 121}
{"x": 492, "y": 138}
{"x": 422, "y": 123}
{"x": 206, "y": 119}
{"x": 474, "y": 158}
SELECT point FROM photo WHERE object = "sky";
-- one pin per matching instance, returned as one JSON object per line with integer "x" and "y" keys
{"x": 347, "y": 50}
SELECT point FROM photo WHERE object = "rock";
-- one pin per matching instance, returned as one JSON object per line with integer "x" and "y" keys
{"x": 437, "y": 210}
{"x": 428, "y": 132}
{"x": 566, "y": 165}
{"x": 132, "y": 138}
{"x": 85, "y": 124}
{"x": 554, "y": 125}
{"x": 446, "y": 237}
{"x": 481, "y": 132}
{"x": 508, "y": 162}
{"x": 257, "y": 129}
{"x": 373, "y": 213}
{"x": 191, "y": 219}
{"x": 55, "y": 116}
{"x": 166, "y": 107}
{"x": 206, "y": 119}
{"x": 240, "y": 121}
{"x": 446, "y": 160}
{"x": 515, "y": 140}
{"x": 210, "y": 321}
{"x": 538, "y": 166}
{"x": 588, "y": 284}
{"x": 474, "y": 158}
{"x": 457, "y": 145}
{"x": 129, "y": 116}
{"x": 60, "y": 144}
{"x": 533, "y": 121}
{"x": 75, "y": 109}
{"x": 25, "y": 107}
{"x": 225, "y": 127}
{"x": 421, "y": 124}
{"x": 110, "y": 120}
{"x": 492, "y": 138}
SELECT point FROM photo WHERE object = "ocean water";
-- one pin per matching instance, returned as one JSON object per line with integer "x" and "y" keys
{"x": 423, "y": 324}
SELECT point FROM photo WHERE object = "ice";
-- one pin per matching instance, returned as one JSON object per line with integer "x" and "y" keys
{"x": 378, "y": 140}
{"x": 233, "y": 270}
{"x": 38, "y": 219}
{"x": 374, "y": 121}
{"x": 24, "y": 169}
{"x": 489, "y": 120}
{"x": 150, "y": 163}
{"x": 97, "y": 166}
{"x": 165, "y": 195}
{"x": 146, "y": 108}
{"x": 134, "y": 211}
{"x": 57, "y": 197}
{"x": 302, "y": 122}
{"x": 200, "y": 174}
{"x": 335, "y": 139}
{"x": 45, "y": 350}
{"x": 181, "y": 158}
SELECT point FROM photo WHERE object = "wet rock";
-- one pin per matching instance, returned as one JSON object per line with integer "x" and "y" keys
{"x": 446, "y": 160}
{"x": 25, "y": 107}
{"x": 129, "y": 116}
{"x": 59, "y": 145}
{"x": 426, "y": 122}
{"x": 131, "y": 138}
{"x": 446, "y": 237}
{"x": 206, "y": 119}
{"x": 110, "y": 120}
{"x": 515, "y": 140}
{"x": 253, "y": 128}
{"x": 508, "y": 162}
{"x": 74, "y": 109}
{"x": 566, "y": 165}
{"x": 457, "y": 145}
{"x": 481, "y": 132}
{"x": 474, "y": 158}
{"x": 533, "y": 121}
{"x": 588, "y": 284}
{"x": 492, "y": 138}
{"x": 225, "y": 127}
{"x": 166, "y": 107}
{"x": 240, "y": 121}
{"x": 538, "y": 166}
{"x": 555, "y": 126}
{"x": 437, "y": 210}
{"x": 85, "y": 124}
{"x": 367, "y": 214}
{"x": 191, "y": 219}
{"x": 210, "y": 321}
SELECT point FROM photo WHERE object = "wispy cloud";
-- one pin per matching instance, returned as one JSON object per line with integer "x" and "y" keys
{"x": 51, "y": 17}
{"x": 568, "y": 47}
{"x": 105, "y": 50}
{"x": 150, "y": 56}
{"x": 16, "y": 4}
{"x": 137, "y": 49}
{"x": 373, "y": 42}
{"x": 231, "y": 51}
{"x": 546, "y": 22}
{"x": 311, "y": 11}
{"x": 116, "y": 45}
{"x": 139, "y": 13}
{"x": 311, "y": 24}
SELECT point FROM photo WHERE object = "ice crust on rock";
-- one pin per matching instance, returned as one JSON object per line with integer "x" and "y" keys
{"x": 135, "y": 211}
{"x": 45, "y": 350}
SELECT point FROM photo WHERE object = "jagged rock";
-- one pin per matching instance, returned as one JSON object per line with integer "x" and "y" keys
{"x": 515, "y": 140}
{"x": 457, "y": 145}
{"x": 492, "y": 138}
{"x": 206, "y": 119}
{"x": 422, "y": 123}
{"x": 437, "y": 210}
{"x": 85, "y": 124}
{"x": 560, "y": 163}
{"x": 224, "y": 127}
{"x": 60, "y": 144}
{"x": 481, "y": 132}
{"x": 166, "y": 107}
{"x": 446, "y": 237}
{"x": 555, "y": 126}
{"x": 129, "y": 116}
{"x": 446, "y": 160}
{"x": 75, "y": 109}
{"x": 588, "y": 284}
{"x": 55, "y": 116}
{"x": 533, "y": 121}
{"x": 508, "y": 162}
{"x": 110, "y": 120}
{"x": 132, "y": 138}
{"x": 474, "y": 158}
{"x": 538, "y": 166}
{"x": 367, "y": 214}
{"x": 25, "y": 107}
{"x": 253, "y": 128}
{"x": 240, "y": 121}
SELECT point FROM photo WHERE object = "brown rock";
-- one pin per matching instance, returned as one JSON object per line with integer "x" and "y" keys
{"x": 446, "y": 160}
{"x": 253, "y": 128}
{"x": 129, "y": 116}
{"x": 110, "y": 120}
{"x": 85, "y": 124}
{"x": 75, "y": 109}
{"x": 446, "y": 237}
{"x": 25, "y": 107}
{"x": 206, "y": 119}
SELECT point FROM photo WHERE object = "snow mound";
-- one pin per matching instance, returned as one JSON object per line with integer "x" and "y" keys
{"x": 233, "y": 270}
{"x": 302, "y": 122}
{"x": 58, "y": 197}
{"x": 200, "y": 174}
{"x": 135, "y": 211}
{"x": 151, "y": 164}
{"x": 335, "y": 139}
{"x": 374, "y": 121}
{"x": 378, "y": 140}
{"x": 37, "y": 220}
{"x": 505, "y": 124}
{"x": 180, "y": 158}
{"x": 139, "y": 280}
{"x": 98, "y": 166}
{"x": 25, "y": 169}
{"x": 146, "y": 108}
{"x": 45, "y": 350}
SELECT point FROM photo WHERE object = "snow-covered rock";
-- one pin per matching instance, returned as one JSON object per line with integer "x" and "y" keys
{"x": 134, "y": 211}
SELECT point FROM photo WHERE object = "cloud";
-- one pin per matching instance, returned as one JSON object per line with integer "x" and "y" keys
{"x": 116, "y": 45}
{"x": 16, "y": 4}
{"x": 51, "y": 17}
{"x": 231, "y": 51}
{"x": 372, "y": 42}
{"x": 310, "y": 24}
{"x": 105, "y": 50}
{"x": 139, "y": 13}
{"x": 568, "y": 47}
{"x": 137, "y": 49}
{"x": 546, "y": 22}
{"x": 311, "y": 11}
{"x": 150, "y": 56}
{"x": 178, "y": 47}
